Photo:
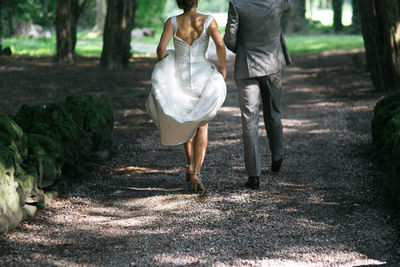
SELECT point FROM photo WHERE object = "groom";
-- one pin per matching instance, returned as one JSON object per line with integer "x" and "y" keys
{"x": 253, "y": 32}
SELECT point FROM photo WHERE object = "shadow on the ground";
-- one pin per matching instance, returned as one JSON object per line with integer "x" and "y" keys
{"x": 325, "y": 206}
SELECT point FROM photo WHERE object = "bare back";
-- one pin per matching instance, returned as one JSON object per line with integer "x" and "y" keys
{"x": 190, "y": 27}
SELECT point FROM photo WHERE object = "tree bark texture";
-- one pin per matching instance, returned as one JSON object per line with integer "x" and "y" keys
{"x": 356, "y": 16}
{"x": 337, "y": 6}
{"x": 380, "y": 21}
{"x": 117, "y": 34}
{"x": 101, "y": 12}
{"x": 68, "y": 12}
{"x": 1, "y": 24}
{"x": 10, "y": 23}
{"x": 295, "y": 20}
{"x": 45, "y": 11}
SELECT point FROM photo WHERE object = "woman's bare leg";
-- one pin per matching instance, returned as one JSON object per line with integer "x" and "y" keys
{"x": 199, "y": 149}
{"x": 189, "y": 155}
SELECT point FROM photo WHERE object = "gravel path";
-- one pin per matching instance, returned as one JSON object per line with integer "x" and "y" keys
{"x": 326, "y": 207}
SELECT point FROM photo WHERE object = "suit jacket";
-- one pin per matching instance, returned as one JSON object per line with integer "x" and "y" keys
{"x": 253, "y": 32}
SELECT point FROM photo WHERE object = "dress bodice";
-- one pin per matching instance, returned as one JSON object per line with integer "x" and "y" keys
{"x": 186, "y": 53}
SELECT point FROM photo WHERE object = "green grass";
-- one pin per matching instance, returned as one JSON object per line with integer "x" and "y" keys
{"x": 30, "y": 46}
{"x": 92, "y": 47}
{"x": 323, "y": 43}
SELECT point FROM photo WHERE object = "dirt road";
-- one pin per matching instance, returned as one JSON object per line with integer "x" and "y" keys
{"x": 326, "y": 207}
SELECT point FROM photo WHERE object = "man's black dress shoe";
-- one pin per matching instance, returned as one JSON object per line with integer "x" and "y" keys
{"x": 253, "y": 182}
{"x": 276, "y": 165}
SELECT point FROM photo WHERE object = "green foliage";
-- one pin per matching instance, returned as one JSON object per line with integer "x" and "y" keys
{"x": 393, "y": 177}
{"x": 87, "y": 19}
{"x": 384, "y": 111}
{"x": 53, "y": 121}
{"x": 14, "y": 11}
{"x": 43, "y": 143}
{"x": 386, "y": 136}
{"x": 47, "y": 156}
{"x": 97, "y": 122}
{"x": 206, "y": 6}
{"x": 149, "y": 13}
{"x": 80, "y": 125}
{"x": 220, "y": 6}
{"x": 12, "y": 154}
{"x": 12, "y": 137}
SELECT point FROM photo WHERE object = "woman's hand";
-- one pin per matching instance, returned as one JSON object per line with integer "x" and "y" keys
{"x": 222, "y": 71}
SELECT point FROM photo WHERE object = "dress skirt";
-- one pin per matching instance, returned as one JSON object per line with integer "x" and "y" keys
{"x": 185, "y": 94}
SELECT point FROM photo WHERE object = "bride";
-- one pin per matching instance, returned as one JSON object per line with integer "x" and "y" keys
{"x": 187, "y": 89}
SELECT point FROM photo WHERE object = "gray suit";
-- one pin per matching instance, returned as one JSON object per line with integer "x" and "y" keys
{"x": 253, "y": 32}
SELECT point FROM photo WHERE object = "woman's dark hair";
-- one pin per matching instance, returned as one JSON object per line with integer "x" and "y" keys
{"x": 186, "y": 5}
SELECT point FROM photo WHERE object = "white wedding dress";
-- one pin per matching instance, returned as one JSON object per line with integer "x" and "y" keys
{"x": 187, "y": 89}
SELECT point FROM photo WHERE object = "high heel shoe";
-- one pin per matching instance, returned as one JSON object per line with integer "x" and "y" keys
{"x": 197, "y": 184}
{"x": 189, "y": 173}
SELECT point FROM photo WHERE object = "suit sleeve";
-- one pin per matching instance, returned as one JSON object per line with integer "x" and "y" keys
{"x": 231, "y": 29}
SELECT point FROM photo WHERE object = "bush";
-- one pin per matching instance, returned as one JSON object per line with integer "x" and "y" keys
{"x": 386, "y": 136}
{"x": 43, "y": 144}
{"x": 149, "y": 13}
{"x": 384, "y": 110}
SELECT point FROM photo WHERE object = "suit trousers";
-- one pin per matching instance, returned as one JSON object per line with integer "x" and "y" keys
{"x": 253, "y": 91}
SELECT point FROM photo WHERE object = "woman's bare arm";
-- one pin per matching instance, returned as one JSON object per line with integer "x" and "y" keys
{"x": 220, "y": 46}
{"x": 166, "y": 36}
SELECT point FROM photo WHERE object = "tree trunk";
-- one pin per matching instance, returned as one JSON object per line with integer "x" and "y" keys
{"x": 337, "y": 6}
{"x": 101, "y": 12}
{"x": 380, "y": 21}
{"x": 1, "y": 24}
{"x": 117, "y": 33}
{"x": 45, "y": 11}
{"x": 10, "y": 24}
{"x": 68, "y": 12}
{"x": 295, "y": 20}
{"x": 355, "y": 25}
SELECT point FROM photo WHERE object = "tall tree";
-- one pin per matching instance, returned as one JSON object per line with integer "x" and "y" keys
{"x": 117, "y": 33}
{"x": 1, "y": 24}
{"x": 295, "y": 20}
{"x": 337, "y": 6}
{"x": 356, "y": 24}
{"x": 68, "y": 12}
{"x": 380, "y": 21}
{"x": 101, "y": 12}
{"x": 45, "y": 10}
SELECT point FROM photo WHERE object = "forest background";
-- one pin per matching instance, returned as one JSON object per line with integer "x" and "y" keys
{"x": 310, "y": 29}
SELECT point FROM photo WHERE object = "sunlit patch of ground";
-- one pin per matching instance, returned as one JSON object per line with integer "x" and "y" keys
{"x": 325, "y": 208}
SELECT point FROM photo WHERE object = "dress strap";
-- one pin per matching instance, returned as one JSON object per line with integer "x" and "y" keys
{"x": 207, "y": 22}
{"x": 174, "y": 24}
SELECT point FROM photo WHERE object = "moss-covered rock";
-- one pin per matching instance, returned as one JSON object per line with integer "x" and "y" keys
{"x": 391, "y": 135}
{"x": 10, "y": 204}
{"x": 386, "y": 135}
{"x": 385, "y": 110}
{"x": 47, "y": 156}
{"x": 42, "y": 144}
{"x": 94, "y": 118}
{"x": 12, "y": 136}
{"x": 82, "y": 124}
{"x": 53, "y": 121}
{"x": 392, "y": 179}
